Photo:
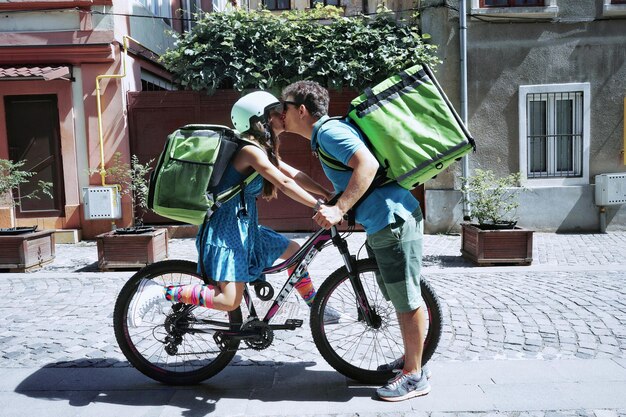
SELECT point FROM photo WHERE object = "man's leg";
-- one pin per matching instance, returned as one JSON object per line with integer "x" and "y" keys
{"x": 413, "y": 329}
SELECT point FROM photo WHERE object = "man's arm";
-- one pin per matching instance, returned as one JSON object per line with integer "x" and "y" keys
{"x": 364, "y": 166}
{"x": 304, "y": 180}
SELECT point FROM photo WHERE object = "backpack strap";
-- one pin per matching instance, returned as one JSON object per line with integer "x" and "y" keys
{"x": 324, "y": 156}
{"x": 229, "y": 193}
{"x": 379, "y": 180}
{"x": 331, "y": 162}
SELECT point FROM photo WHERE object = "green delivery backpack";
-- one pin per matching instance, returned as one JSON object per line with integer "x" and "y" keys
{"x": 411, "y": 127}
{"x": 192, "y": 163}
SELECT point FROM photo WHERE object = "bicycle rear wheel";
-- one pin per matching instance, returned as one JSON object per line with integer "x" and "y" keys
{"x": 166, "y": 345}
{"x": 349, "y": 344}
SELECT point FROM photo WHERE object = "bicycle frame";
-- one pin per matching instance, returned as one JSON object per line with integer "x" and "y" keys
{"x": 302, "y": 258}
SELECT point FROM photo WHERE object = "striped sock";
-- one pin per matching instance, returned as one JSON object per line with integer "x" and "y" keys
{"x": 305, "y": 287}
{"x": 194, "y": 294}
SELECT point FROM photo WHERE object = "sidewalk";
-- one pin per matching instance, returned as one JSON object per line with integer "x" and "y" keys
{"x": 545, "y": 340}
{"x": 298, "y": 389}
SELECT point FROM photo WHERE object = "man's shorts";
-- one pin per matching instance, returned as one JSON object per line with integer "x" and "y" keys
{"x": 398, "y": 252}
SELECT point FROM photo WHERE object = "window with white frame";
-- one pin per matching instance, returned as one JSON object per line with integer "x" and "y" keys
{"x": 554, "y": 133}
{"x": 614, "y": 8}
{"x": 515, "y": 8}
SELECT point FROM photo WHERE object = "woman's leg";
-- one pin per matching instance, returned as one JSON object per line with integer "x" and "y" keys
{"x": 304, "y": 286}
{"x": 226, "y": 296}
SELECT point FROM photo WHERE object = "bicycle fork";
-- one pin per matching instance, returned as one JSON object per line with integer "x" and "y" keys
{"x": 365, "y": 311}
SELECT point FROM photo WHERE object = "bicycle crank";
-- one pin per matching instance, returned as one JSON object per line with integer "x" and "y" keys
{"x": 255, "y": 333}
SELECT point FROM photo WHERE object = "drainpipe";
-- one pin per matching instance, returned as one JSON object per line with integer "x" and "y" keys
{"x": 98, "y": 102}
{"x": 463, "y": 61}
{"x": 99, "y": 106}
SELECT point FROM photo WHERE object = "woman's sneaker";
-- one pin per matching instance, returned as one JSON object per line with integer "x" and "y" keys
{"x": 148, "y": 294}
{"x": 331, "y": 316}
{"x": 404, "y": 386}
{"x": 398, "y": 364}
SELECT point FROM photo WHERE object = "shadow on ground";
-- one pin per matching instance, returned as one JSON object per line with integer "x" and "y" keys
{"x": 120, "y": 384}
{"x": 445, "y": 261}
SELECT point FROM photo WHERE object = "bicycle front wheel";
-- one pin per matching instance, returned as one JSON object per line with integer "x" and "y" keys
{"x": 348, "y": 343}
{"x": 173, "y": 343}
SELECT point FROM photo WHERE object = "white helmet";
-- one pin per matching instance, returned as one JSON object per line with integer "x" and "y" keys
{"x": 251, "y": 106}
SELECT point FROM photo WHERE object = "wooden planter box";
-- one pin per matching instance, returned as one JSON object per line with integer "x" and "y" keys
{"x": 26, "y": 251}
{"x": 492, "y": 247}
{"x": 125, "y": 251}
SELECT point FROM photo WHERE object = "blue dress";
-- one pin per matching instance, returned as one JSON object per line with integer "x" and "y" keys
{"x": 237, "y": 248}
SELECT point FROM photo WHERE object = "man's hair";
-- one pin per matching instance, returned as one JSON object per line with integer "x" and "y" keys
{"x": 311, "y": 94}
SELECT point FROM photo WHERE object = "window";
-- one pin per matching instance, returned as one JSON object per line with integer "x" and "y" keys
{"x": 277, "y": 4}
{"x": 614, "y": 8}
{"x": 152, "y": 82}
{"x": 511, "y": 3}
{"x": 325, "y": 3}
{"x": 189, "y": 10}
{"x": 160, "y": 8}
{"x": 554, "y": 133}
{"x": 515, "y": 8}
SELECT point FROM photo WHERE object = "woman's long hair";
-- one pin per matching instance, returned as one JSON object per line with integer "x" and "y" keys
{"x": 263, "y": 134}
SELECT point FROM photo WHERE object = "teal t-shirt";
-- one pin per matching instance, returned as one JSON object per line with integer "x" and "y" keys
{"x": 341, "y": 140}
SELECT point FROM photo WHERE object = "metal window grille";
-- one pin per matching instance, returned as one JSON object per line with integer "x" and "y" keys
{"x": 554, "y": 134}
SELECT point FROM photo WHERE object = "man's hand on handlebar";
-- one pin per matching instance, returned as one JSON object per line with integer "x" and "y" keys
{"x": 328, "y": 216}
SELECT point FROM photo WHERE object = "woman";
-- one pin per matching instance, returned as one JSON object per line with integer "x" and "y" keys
{"x": 233, "y": 246}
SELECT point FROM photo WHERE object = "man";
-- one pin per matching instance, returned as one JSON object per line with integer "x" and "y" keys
{"x": 390, "y": 215}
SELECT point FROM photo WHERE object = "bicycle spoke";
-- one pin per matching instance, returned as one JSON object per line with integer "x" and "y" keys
{"x": 172, "y": 343}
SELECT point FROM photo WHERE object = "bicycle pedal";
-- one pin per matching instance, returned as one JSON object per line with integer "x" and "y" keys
{"x": 293, "y": 324}
{"x": 221, "y": 341}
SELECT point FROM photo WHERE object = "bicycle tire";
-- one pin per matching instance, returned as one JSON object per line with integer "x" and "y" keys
{"x": 351, "y": 346}
{"x": 146, "y": 351}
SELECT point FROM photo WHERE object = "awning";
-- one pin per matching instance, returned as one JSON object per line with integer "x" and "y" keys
{"x": 62, "y": 72}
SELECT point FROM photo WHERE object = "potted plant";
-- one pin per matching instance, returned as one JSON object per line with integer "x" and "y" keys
{"x": 137, "y": 245}
{"x": 495, "y": 238}
{"x": 22, "y": 248}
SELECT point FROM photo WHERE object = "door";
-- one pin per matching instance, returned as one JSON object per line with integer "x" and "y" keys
{"x": 33, "y": 136}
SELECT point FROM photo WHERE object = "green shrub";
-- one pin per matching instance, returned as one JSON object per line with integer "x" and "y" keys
{"x": 493, "y": 200}
{"x": 12, "y": 176}
{"x": 258, "y": 49}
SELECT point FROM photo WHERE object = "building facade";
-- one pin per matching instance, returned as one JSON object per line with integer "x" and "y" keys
{"x": 51, "y": 54}
{"x": 546, "y": 87}
{"x": 546, "y": 92}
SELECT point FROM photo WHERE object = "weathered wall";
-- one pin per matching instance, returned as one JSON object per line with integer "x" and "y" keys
{"x": 579, "y": 46}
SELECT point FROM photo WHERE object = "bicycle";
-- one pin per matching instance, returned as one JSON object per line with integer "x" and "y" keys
{"x": 181, "y": 344}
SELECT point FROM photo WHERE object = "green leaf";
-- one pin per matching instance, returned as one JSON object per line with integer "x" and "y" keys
{"x": 259, "y": 49}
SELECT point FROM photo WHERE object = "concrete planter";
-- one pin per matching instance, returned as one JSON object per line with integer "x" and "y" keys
{"x": 495, "y": 247}
{"x": 131, "y": 251}
{"x": 22, "y": 252}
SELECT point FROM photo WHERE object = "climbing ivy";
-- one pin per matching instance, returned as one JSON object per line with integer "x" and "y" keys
{"x": 258, "y": 49}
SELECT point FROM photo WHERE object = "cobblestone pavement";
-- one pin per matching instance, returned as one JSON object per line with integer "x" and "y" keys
{"x": 59, "y": 318}
{"x": 440, "y": 251}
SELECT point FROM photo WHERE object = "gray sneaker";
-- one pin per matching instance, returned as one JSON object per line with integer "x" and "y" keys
{"x": 398, "y": 364}
{"x": 403, "y": 387}
{"x": 148, "y": 294}
{"x": 331, "y": 316}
